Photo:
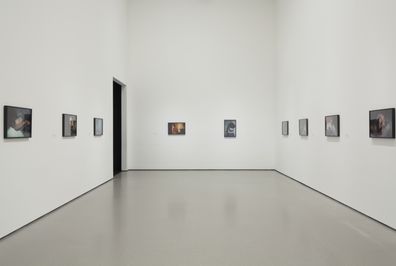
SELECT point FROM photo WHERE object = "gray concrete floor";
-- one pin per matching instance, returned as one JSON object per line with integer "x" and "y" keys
{"x": 202, "y": 218}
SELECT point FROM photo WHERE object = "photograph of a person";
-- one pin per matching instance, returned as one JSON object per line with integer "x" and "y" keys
{"x": 285, "y": 128}
{"x": 230, "y": 127}
{"x": 69, "y": 123}
{"x": 332, "y": 126}
{"x": 303, "y": 127}
{"x": 98, "y": 126}
{"x": 17, "y": 122}
{"x": 382, "y": 123}
{"x": 176, "y": 128}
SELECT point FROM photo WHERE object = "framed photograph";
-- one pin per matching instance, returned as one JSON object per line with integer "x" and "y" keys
{"x": 230, "y": 127}
{"x": 17, "y": 122}
{"x": 285, "y": 128}
{"x": 69, "y": 125}
{"x": 98, "y": 127}
{"x": 303, "y": 127}
{"x": 332, "y": 126}
{"x": 176, "y": 128}
{"x": 382, "y": 123}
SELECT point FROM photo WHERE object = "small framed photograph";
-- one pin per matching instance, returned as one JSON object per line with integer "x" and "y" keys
{"x": 230, "y": 127}
{"x": 98, "y": 127}
{"x": 69, "y": 125}
{"x": 285, "y": 128}
{"x": 382, "y": 123}
{"x": 176, "y": 128}
{"x": 332, "y": 126}
{"x": 17, "y": 122}
{"x": 303, "y": 127}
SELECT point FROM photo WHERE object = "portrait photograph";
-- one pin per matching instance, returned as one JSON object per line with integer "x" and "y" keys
{"x": 382, "y": 123}
{"x": 332, "y": 126}
{"x": 98, "y": 126}
{"x": 69, "y": 125}
{"x": 17, "y": 122}
{"x": 303, "y": 127}
{"x": 285, "y": 128}
{"x": 230, "y": 127}
{"x": 176, "y": 128}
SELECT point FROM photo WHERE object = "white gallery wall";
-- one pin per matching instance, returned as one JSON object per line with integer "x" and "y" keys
{"x": 57, "y": 57}
{"x": 338, "y": 57}
{"x": 200, "y": 62}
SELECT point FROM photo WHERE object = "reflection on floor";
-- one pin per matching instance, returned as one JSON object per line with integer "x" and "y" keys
{"x": 202, "y": 218}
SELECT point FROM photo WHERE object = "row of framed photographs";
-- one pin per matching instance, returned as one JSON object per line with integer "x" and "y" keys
{"x": 179, "y": 128}
{"x": 381, "y": 125}
{"x": 18, "y": 123}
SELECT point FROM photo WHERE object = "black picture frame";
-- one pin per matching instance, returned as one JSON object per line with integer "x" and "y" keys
{"x": 332, "y": 126}
{"x": 230, "y": 128}
{"x": 176, "y": 128}
{"x": 69, "y": 129}
{"x": 303, "y": 127}
{"x": 285, "y": 128}
{"x": 11, "y": 115}
{"x": 98, "y": 126}
{"x": 382, "y": 123}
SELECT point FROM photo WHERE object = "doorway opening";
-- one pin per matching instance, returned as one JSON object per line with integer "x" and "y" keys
{"x": 117, "y": 128}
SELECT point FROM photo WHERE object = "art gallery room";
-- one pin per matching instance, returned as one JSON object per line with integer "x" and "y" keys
{"x": 197, "y": 132}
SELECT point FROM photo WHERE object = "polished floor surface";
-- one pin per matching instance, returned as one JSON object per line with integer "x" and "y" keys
{"x": 241, "y": 218}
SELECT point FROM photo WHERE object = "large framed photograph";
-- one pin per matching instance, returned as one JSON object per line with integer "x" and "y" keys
{"x": 382, "y": 123}
{"x": 98, "y": 127}
{"x": 303, "y": 127}
{"x": 69, "y": 125}
{"x": 230, "y": 127}
{"x": 17, "y": 122}
{"x": 285, "y": 128}
{"x": 176, "y": 128}
{"x": 332, "y": 126}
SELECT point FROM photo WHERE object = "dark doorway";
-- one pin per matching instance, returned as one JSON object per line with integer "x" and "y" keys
{"x": 117, "y": 128}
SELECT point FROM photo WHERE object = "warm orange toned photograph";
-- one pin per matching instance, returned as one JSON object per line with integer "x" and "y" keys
{"x": 176, "y": 128}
